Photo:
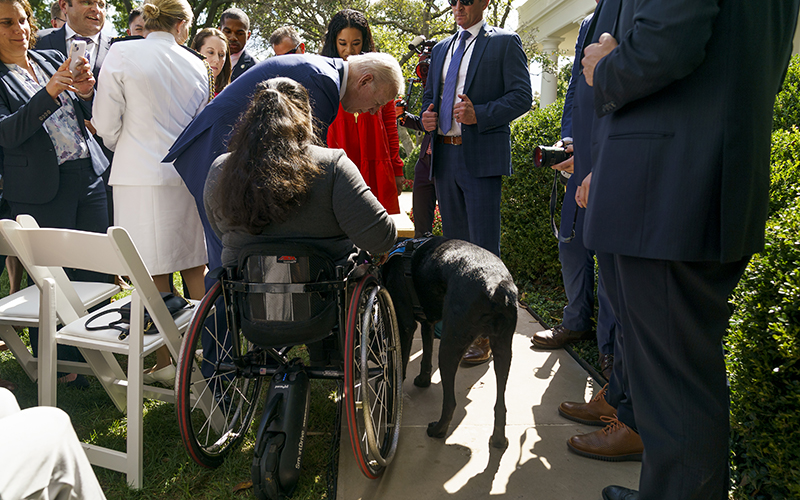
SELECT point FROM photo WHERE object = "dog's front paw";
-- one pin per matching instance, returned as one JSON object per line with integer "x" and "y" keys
{"x": 436, "y": 430}
{"x": 423, "y": 380}
{"x": 499, "y": 441}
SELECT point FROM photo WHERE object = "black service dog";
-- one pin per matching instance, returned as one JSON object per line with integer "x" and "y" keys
{"x": 470, "y": 290}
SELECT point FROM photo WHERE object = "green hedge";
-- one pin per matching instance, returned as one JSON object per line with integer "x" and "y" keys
{"x": 763, "y": 346}
{"x": 787, "y": 104}
{"x": 528, "y": 247}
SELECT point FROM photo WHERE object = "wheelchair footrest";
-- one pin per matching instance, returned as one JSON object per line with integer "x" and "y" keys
{"x": 281, "y": 434}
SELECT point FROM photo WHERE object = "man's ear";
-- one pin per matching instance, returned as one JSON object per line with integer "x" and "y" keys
{"x": 62, "y": 4}
{"x": 248, "y": 35}
{"x": 302, "y": 48}
{"x": 365, "y": 79}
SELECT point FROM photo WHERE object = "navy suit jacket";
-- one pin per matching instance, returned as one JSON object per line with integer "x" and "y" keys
{"x": 56, "y": 39}
{"x": 208, "y": 134}
{"x": 577, "y": 70}
{"x": 681, "y": 151}
{"x": 246, "y": 61}
{"x": 499, "y": 85}
{"x": 30, "y": 167}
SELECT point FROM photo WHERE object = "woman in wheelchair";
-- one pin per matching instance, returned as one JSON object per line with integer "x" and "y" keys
{"x": 278, "y": 198}
{"x": 276, "y": 183}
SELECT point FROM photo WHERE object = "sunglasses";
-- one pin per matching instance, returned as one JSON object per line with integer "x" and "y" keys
{"x": 465, "y": 3}
{"x": 294, "y": 50}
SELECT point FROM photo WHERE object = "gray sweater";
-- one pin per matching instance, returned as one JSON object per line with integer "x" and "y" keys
{"x": 340, "y": 213}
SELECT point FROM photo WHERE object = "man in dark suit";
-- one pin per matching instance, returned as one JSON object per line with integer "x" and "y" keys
{"x": 477, "y": 84}
{"x": 372, "y": 80}
{"x": 611, "y": 409}
{"x": 85, "y": 19}
{"x": 679, "y": 197}
{"x": 235, "y": 25}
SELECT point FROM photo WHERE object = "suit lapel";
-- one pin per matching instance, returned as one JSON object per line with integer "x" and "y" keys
{"x": 19, "y": 94}
{"x": 477, "y": 53}
{"x": 102, "y": 50}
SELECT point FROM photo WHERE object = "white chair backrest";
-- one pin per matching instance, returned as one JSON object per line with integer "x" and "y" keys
{"x": 112, "y": 253}
{"x": 70, "y": 304}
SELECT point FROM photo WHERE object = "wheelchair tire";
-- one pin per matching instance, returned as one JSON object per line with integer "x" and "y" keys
{"x": 215, "y": 402}
{"x": 373, "y": 377}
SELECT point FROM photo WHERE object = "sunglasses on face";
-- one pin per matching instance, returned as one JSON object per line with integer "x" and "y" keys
{"x": 465, "y": 3}
{"x": 294, "y": 50}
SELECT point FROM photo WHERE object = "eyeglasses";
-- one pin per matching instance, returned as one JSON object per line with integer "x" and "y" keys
{"x": 294, "y": 50}
{"x": 465, "y": 3}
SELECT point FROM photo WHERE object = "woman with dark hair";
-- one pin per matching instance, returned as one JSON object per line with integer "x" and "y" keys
{"x": 275, "y": 184}
{"x": 371, "y": 141}
{"x": 211, "y": 43}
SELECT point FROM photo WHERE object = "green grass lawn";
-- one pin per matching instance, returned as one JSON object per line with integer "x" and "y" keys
{"x": 169, "y": 473}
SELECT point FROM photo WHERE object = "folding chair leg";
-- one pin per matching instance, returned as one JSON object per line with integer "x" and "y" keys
{"x": 20, "y": 351}
{"x": 47, "y": 343}
{"x": 135, "y": 443}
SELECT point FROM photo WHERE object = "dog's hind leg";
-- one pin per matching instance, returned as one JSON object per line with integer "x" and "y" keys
{"x": 451, "y": 348}
{"x": 501, "y": 349}
{"x": 425, "y": 368}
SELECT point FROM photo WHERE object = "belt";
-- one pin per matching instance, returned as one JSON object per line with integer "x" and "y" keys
{"x": 453, "y": 140}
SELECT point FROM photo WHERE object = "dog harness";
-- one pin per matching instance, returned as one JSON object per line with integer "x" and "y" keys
{"x": 406, "y": 248}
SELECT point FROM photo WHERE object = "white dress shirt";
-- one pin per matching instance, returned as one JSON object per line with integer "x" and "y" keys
{"x": 455, "y": 128}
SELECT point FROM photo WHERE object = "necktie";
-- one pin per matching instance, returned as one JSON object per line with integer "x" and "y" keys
{"x": 450, "y": 80}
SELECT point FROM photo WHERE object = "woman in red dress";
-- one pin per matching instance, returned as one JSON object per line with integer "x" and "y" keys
{"x": 370, "y": 141}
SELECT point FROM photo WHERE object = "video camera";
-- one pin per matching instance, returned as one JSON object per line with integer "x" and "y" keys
{"x": 546, "y": 156}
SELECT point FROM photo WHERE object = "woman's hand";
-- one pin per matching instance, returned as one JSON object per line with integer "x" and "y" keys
{"x": 62, "y": 79}
{"x": 398, "y": 181}
{"x": 82, "y": 79}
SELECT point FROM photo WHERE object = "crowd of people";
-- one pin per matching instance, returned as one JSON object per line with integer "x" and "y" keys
{"x": 197, "y": 152}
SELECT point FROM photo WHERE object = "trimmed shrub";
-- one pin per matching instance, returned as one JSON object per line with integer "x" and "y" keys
{"x": 527, "y": 244}
{"x": 784, "y": 182}
{"x": 763, "y": 357}
{"x": 786, "y": 113}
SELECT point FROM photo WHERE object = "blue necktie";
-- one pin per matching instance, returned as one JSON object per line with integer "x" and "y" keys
{"x": 450, "y": 80}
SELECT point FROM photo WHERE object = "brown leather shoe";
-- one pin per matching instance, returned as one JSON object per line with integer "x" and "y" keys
{"x": 615, "y": 442}
{"x": 590, "y": 413}
{"x": 606, "y": 363}
{"x": 558, "y": 337}
{"x": 479, "y": 352}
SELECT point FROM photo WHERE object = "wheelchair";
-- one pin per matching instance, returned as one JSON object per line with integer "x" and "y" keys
{"x": 279, "y": 296}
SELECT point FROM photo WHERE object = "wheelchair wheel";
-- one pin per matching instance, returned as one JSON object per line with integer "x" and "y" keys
{"x": 215, "y": 401}
{"x": 373, "y": 377}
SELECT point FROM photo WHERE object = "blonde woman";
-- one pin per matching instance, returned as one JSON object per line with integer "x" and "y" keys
{"x": 149, "y": 92}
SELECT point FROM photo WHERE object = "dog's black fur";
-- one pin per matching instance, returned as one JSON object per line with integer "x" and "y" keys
{"x": 472, "y": 292}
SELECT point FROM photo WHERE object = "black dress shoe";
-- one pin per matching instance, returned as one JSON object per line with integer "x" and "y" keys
{"x": 619, "y": 493}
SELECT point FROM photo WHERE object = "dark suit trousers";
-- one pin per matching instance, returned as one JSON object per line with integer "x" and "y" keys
{"x": 577, "y": 271}
{"x": 673, "y": 317}
{"x": 80, "y": 203}
{"x": 618, "y": 391}
{"x": 469, "y": 205}
{"x": 424, "y": 195}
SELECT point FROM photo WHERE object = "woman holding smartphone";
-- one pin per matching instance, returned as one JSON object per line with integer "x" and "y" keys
{"x": 50, "y": 164}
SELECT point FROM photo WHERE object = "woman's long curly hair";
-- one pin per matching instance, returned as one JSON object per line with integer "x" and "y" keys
{"x": 347, "y": 18}
{"x": 269, "y": 171}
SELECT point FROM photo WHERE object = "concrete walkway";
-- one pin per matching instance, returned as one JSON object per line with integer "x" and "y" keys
{"x": 536, "y": 465}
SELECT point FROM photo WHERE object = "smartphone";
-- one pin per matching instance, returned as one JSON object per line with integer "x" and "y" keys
{"x": 76, "y": 50}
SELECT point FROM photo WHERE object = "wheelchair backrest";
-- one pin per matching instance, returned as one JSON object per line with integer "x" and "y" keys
{"x": 285, "y": 293}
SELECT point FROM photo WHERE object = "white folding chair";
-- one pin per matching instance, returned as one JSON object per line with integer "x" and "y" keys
{"x": 113, "y": 253}
{"x": 22, "y": 309}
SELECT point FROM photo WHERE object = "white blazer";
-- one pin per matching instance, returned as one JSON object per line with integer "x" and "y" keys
{"x": 148, "y": 92}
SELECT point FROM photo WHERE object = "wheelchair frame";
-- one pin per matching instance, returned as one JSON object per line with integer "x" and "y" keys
{"x": 218, "y": 355}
